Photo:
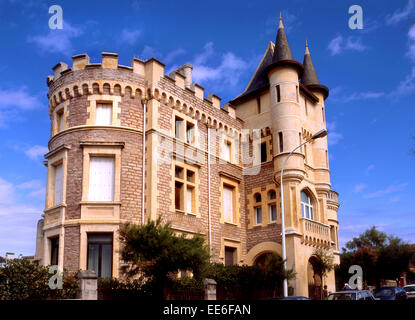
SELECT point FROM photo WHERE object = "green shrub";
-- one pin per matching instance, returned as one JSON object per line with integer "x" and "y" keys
{"x": 21, "y": 279}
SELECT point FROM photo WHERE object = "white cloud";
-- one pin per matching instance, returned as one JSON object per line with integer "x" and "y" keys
{"x": 130, "y": 36}
{"x": 18, "y": 98}
{"x": 33, "y": 188}
{"x": 401, "y": 14}
{"x": 228, "y": 72}
{"x": 36, "y": 151}
{"x": 407, "y": 85}
{"x": 390, "y": 189}
{"x": 57, "y": 40}
{"x": 149, "y": 52}
{"x": 339, "y": 44}
{"x": 6, "y": 192}
{"x": 338, "y": 94}
{"x": 333, "y": 137}
{"x": 359, "y": 187}
{"x": 172, "y": 55}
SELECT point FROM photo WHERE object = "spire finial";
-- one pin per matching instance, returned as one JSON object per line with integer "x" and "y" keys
{"x": 280, "y": 23}
{"x": 306, "y": 47}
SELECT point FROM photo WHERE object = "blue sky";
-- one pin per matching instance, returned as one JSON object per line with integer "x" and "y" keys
{"x": 370, "y": 72}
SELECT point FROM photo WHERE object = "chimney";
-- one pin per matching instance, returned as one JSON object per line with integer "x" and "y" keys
{"x": 186, "y": 70}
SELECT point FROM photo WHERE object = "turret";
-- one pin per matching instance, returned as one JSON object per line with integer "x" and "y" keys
{"x": 320, "y": 152}
{"x": 284, "y": 74}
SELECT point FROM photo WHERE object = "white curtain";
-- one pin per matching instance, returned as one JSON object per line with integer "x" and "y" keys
{"x": 101, "y": 179}
{"x": 226, "y": 151}
{"x": 104, "y": 114}
{"x": 228, "y": 203}
{"x": 58, "y": 185}
{"x": 189, "y": 200}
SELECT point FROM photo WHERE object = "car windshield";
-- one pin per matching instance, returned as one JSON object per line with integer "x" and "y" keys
{"x": 409, "y": 289}
{"x": 342, "y": 296}
{"x": 384, "y": 293}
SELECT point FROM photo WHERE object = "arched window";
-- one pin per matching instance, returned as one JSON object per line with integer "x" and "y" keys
{"x": 306, "y": 206}
{"x": 258, "y": 209}
{"x": 272, "y": 206}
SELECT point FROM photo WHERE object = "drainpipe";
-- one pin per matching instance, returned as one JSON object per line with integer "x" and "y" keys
{"x": 209, "y": 209}
{"x": 144, "y": 102}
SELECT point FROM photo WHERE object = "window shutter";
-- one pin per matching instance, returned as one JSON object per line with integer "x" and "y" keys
{"x": 101, "y": 179}
{"x": 228, "y": 203}
{"x": 58, "y": 185}
{"x": 104, "y": 114}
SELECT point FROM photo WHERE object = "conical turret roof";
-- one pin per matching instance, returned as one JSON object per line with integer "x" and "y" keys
{"x": 282, "y": 49}
{"x": 309, "y": 75}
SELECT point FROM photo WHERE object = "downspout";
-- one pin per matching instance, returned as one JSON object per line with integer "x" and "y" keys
{"x": 144, "y": 102}
{"x": 209, "y": 209}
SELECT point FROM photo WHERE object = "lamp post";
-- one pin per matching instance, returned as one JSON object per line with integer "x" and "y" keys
{"x": 322, "y": 133}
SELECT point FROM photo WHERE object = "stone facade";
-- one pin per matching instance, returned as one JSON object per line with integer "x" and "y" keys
{"x": 228, "y": 135}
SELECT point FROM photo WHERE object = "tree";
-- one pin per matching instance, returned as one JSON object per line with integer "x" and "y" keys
{"x": 381, "y": 256}
{"x": 155, "y": 251}
{"x": 371, "y": 237}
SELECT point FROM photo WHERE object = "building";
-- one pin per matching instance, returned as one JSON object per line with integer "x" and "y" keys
{"x": 111, "y": 123}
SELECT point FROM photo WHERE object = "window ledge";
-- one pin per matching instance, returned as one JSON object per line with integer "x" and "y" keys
{"x": 100, "y": 203}
{"x": 62, "y": 205}
{"x": 272, "y": 222}
{"x": 230, "y": 223}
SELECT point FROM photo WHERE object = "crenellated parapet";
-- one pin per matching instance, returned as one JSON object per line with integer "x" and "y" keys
{"x": 143, "y": 79}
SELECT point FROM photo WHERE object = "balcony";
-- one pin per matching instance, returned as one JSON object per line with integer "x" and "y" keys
{"x": 315, "y": 233}
{"x": 54, "y": 216}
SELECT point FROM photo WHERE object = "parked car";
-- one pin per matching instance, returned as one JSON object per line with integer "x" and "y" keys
{"x": 410, "y": 290}
{"x": 391, "y": 293}
{"x": 291, "y": 298}
{"x": 351, "y": 295}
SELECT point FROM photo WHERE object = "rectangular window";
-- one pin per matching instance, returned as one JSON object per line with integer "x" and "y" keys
{"x": 104, "y": 114}
{"x": 101, "y": 179}
{"x": 258, "y": 103}
{"x": 189, "y": 133}
{"x": 178, "y": 195}
{"x": 278, "y": 93}
{"x": 190, "y": 200}
{"x": 228, "y": 203}
{"x": 263, "y": 152}
{"x": 258, "y": 215}
{"x": 230, "y": 256}
{"x": 185, "y": 190}
{"x": 227, "y": 150}
{"x": 322, "y": 113}
{"x": 305, "y": 107}
{"x": 58, "y": 185}
{"x": 178, "y": 128}
{"x": 59, "y": 121}
{"x": 54, "y": 251}
{"x": 272, "y": 212}
{"x": 100, "y": 254}
{"x": 299, "y": 141}
{"x": 281, "y": 141}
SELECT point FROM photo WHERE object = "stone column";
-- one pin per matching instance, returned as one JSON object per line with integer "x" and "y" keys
{"x": 88, "y": 285}
{"x": 209, "y": 286}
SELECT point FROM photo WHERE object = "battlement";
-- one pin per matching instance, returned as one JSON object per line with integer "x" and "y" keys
{"x": 151, "y": 70}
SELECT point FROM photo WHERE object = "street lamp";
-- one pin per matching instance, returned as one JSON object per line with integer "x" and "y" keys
{"x": 322, "y": 133}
